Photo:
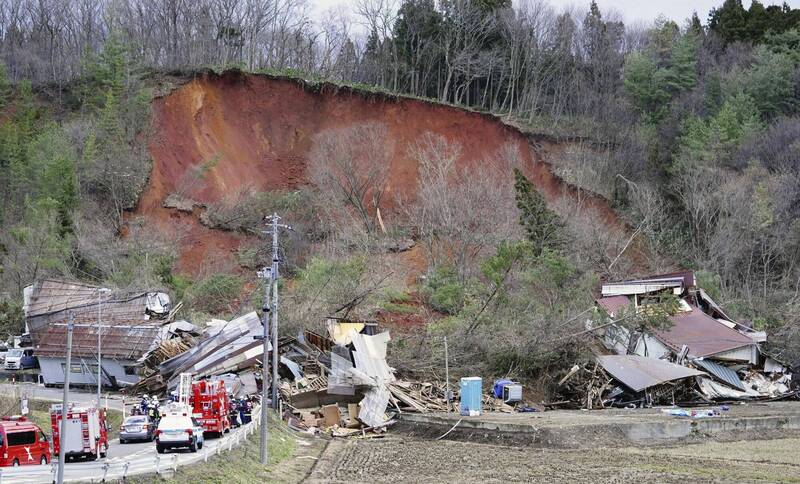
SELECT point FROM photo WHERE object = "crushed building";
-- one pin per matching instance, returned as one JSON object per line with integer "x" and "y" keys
{"x": 131, "y": 327}
{"x": 713, "y": 356}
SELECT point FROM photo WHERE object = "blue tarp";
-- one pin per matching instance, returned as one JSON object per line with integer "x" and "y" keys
{"x": 498, "y": 387}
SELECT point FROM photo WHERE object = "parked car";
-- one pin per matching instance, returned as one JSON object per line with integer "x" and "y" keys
{"x": 20, "y": 359}
{"x": 179, "y": 430}
{"x": 137, "y": 427}
{"x": 3, "y": 353}
{"x": 22, "y": 442}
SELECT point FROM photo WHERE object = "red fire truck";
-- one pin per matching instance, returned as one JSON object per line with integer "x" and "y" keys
{"x": 22, "y": 442}
{"x": 86, "y": 432}
{"x": 210, "y": 405}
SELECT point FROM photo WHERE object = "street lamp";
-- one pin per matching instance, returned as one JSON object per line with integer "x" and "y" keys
{"x": 100, "y": 292}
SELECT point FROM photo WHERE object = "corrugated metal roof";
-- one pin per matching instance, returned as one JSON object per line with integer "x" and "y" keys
{"x": 721, "y": 372}
{"x": 118, "y": 342}
{"x": 703, "y": 334}
{"x": 128, "y": 333}
{"x": 640, "y": 372}
{"x": 52, "y": 295}
{"x": 649, "y": 284}
{"x": 613, "y": 304}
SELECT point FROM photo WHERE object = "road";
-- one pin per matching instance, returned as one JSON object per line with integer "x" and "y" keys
{"x": 38, "y": 392}
{"x": 118, "y": 453}
{"x": 128, "y": 459}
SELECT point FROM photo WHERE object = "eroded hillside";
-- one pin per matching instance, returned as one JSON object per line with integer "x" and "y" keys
{"x": 256, "y": 131}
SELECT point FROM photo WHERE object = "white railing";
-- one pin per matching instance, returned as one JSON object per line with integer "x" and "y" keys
{"x": 100, "y": 471}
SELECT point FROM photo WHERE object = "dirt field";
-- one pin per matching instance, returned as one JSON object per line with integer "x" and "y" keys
{"x": 397, "y": 459}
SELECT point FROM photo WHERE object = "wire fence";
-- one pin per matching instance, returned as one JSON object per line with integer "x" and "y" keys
{"x": 110, "y": 469}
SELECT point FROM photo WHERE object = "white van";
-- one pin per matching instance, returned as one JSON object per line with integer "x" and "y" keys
{"x": 179, "y": 430}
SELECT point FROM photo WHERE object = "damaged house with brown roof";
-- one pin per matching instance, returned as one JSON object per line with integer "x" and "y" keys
{"x": 132, "y": 324}
{"x": 698, "y": 335}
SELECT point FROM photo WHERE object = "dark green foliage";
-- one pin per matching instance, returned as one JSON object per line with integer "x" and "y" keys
{"x": 771, "y": 82}
{"x": 5, "y": 86}
{"x": 57, "y": 167}
{"x": 667, "y": 68}
{"x": 731, "y": 22}
{"x": 443, "y": 290}
{"x": 12, "y": 318}
{"x": 541, "y": 225}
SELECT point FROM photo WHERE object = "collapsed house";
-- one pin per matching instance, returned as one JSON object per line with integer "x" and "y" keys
{"x": 701, "y": 353}
{"x": 342, "y": 382}
{"x": 131, "y": 326}
{"x": 224, "y": 349}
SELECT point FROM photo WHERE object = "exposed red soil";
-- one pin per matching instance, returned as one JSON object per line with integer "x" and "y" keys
{"x": 258, "y": 129}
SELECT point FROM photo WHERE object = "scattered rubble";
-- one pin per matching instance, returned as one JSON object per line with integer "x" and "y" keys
{"x": 223, "y": 347}
{"x": 342, "y": 384}
{"x": 701, "y": 355}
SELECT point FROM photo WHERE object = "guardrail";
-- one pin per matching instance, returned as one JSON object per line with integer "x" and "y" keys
{"x": 100, "y": 471}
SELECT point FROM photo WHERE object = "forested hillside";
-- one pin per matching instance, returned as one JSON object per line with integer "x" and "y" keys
{"x": 690, "y": 130}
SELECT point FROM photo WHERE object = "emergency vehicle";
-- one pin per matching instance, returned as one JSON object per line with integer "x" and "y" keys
{"x": 177, "y": 428}
{"x": 22, "y": 442}
{"x": 86, "y": 432}
{"x": 210, "y": 405}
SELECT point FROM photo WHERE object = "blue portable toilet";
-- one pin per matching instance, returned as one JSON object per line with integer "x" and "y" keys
{"x": 471, "y": 395}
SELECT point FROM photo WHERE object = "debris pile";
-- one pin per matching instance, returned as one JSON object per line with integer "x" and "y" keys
{"x": 700, "y": 355}
{"x": 342, "y": 383}
{"x": 223, "y": 347}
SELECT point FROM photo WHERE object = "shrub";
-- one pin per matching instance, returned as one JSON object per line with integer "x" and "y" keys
{"x": 444, "y": 291}
{"x": 216, "y": 294}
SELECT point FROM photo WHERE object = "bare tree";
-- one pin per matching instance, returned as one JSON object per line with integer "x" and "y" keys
{"x": 351, "y": 165}
{"x": 461, "y": 210}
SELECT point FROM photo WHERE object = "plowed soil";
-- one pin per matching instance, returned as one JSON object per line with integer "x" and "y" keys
{"x": 257, "y": 131}
{"x": 393, "y": 459}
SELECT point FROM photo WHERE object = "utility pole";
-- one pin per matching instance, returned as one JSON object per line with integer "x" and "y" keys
{"x": 270, "y": 313}
{"x": 276, "y": 226}
{"x": 447, "y": 377}
{"x": 65, "y": 400}
{"x": 100, "y": 292}
{"x": 67, "y": 371}
{"x": 265, "y": 274}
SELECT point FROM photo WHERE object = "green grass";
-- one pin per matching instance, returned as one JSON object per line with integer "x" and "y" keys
{"x": 240, "y": 465}
{"x": 398, "y": 308}
{"x": 396, "y": 296}
{"x": 397, "y": 301}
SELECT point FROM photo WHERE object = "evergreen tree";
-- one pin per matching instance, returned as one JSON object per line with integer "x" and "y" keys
{"x": 729, "y": 21}
{"x": 695, "y": 27}
{"x": 542, "y": 227}
{"x": 5, "y": 86}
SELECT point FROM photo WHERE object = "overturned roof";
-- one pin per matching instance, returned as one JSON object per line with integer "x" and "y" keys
{"x": 129, "y": 321}
{"x": 641, "y": 372}
{"x": 704, "y": 335}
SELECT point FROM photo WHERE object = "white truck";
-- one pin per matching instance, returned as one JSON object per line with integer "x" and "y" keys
{"x": 178, "y": 428}
{"x": 86, "y": 433}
